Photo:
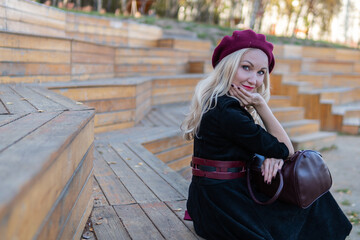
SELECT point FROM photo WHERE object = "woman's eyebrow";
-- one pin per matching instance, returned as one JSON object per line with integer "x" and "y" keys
{"x": 252, "y": 65}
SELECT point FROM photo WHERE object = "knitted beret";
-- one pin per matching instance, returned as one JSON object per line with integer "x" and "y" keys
{"x": 240, "y": 40}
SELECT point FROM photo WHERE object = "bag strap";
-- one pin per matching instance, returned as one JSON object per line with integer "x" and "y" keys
{"x": 271, "y": 200}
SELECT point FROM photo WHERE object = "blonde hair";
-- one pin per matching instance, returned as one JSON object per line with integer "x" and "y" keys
{"x": 217, "y": 84}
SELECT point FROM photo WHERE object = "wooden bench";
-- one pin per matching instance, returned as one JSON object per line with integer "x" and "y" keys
{"x": 123, "y": 102}
{"x": 142, "y": 197}
{"x": 46, "y": 164}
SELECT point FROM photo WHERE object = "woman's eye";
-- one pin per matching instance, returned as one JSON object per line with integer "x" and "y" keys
{"x": 261, "y": 72}
{"x": 246, "y": 67}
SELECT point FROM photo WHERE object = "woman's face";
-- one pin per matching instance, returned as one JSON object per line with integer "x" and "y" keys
{"x": 251, "y": 71}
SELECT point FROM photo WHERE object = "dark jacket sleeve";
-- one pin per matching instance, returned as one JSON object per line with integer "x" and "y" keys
{"x": 239, "y": 126}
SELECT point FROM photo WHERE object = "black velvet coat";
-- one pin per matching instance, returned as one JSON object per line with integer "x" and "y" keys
{"x": 223, "y": 209}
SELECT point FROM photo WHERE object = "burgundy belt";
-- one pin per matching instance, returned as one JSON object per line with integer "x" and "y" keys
{"x": 221, "y": 168}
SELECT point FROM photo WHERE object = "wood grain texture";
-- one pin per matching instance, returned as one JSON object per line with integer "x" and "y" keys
{"x": 170, "y": 226}
{"x": 55, "y": 220}
{"x": 137, "y": 223}
{"x": 115, "y": 192}
{"x": 41, "y": 181}
{"x": 107, "y": 224}
{"x": 136, "y": 187}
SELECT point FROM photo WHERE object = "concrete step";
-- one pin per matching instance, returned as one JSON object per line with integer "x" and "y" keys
{"x": 301, "y": 127}
{"x": 316, "y": 141}
{"x": 288, "y": 114}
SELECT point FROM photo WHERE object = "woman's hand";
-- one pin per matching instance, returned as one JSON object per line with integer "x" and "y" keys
{"x": 270, "y": 167}
{"x": 246, "y": 98}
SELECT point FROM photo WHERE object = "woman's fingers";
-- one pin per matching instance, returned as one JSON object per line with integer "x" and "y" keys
{"x": 270, "y": 168}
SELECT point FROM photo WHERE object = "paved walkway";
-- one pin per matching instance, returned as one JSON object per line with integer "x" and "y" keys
{"x": 344, "y": 164}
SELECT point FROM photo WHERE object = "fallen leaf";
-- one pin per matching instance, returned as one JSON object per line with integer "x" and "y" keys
{"x": 91, "y": 229}
{"x": 23, "y": 99}
{"x": 79, "y": 103}
{"x": 39, "y": 110}
{"x": 136, "y": 166}
{"x": 98, "y": 223}
{"x": 127, "y": 158}
{"x": 9, "y": 103}
{"x": 111, "y": 162}
{"x": 99, "y": 218}
{"x": 177, "y": 209}
{"x": 48, "y": 96}
{"x": 140, "y": 163}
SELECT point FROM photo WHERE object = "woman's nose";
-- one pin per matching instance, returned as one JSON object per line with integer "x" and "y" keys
{"x": 252, "y": 79}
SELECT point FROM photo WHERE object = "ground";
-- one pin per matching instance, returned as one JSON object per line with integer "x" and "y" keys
{"x": 344, "y": 165}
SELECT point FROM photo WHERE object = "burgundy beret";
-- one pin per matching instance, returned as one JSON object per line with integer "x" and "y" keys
{"x": 240, "y": 40}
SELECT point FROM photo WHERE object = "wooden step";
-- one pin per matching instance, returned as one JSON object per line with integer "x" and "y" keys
{"x": 316, "y": 65}
{"x": 288, "y": 114}
{"x": 351, "y": 125}
{"x": 316, "y": 141}
{"x": 297, "y": 128}
{"x": 277, "y": 101}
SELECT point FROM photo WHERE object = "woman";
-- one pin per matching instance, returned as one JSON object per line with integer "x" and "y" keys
{"x": 227, "y": 120}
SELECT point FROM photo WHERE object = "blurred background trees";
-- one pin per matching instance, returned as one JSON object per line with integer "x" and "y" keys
{"x": 316, "y": 19}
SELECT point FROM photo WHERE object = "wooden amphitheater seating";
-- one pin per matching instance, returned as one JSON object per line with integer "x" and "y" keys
{"x": 46, "y": 162}
{"x": 17, "y": 16}
{"x": 323, "y": 80}
{"x": 140, "y": 194}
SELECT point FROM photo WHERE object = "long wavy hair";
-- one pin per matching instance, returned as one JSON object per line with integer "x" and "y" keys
{"x": 217, "y": 84}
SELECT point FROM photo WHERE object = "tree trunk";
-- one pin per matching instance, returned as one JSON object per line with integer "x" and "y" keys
{"x": 297, "y": 20}
{"x": 254, "y": 13}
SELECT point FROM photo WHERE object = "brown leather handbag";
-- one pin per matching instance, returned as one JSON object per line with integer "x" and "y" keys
{"x": 303, "y": 178}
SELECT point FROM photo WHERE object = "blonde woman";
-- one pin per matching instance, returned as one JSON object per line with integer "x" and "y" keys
{"x": 230, "y": 121}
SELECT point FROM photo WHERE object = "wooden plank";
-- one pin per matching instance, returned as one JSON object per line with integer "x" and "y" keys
{"x": 98, "y": 195}
{"x": 114, "y": 190}
{"x": 92, "y": 76}
{"x": 179, "y": 207}
{"x": 13, "y": 40}
{"x": 162, "y": 189}
{"x": 84, "y": 219}
{"x": 112, "y": 104}
{"x": 180, "y": 163}
{"x": 55, "y": 220}
{"x": 77, "y": 68}
{"x": 33, "y": 56}
{"x": 170, "y": 226}
{"x": 3, "y": 109}
{"x": 6, "y": 119}
{"x": 19, "y": 129}
{"x": 60, "y": 99}
{"x": 13, "y": 101}
{"x": 40, "y": 102}
{"x": 113, "y": 127}
{"x": 164, "y": 143}
{"x": 34, "y": 79}
{"x": 137, "y": 224}
{"x": 174, "y": 179}
{"x": 175, "y": 153}
{"x": 109, "y": 118}
{"x": 91, "y": 58}
{"x": 23, "y": 69}
{"x": 139, "y": 191}
{"x": 78, "y": 211}
{"x": 40, "y": 9}
{"x": 60, "y": 144}
{"x": 107, "y": 224}
{"x": 95, "y": 93}
{"x": 35, "y": 19}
